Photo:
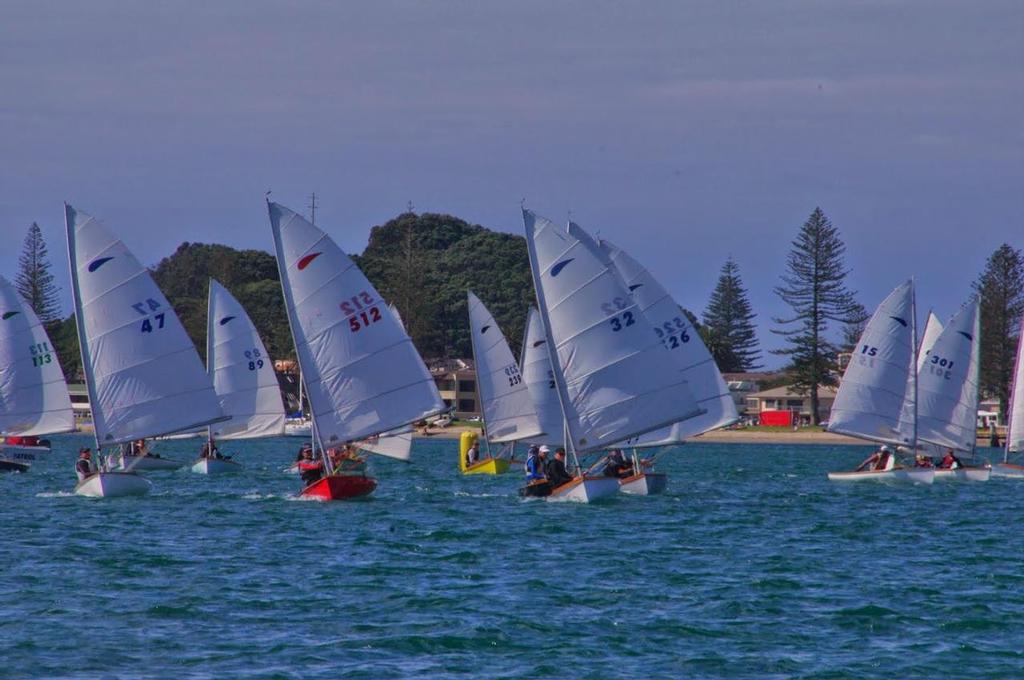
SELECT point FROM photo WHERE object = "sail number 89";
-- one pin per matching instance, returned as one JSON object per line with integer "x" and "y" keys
{"x": 255, "y": 360}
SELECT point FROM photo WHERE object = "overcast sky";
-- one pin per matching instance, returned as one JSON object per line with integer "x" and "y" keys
{"x": 684, "y": 132}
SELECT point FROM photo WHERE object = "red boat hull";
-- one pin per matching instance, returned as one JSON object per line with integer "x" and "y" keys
{"x": 339, "y": 487}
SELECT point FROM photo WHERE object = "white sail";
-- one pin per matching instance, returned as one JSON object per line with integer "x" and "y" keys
{"x": 615, "y": 378}
{"x": 540, "y": 382}
{"x": 34, "y": 398}
{"x": 243, "y": 374}
{"x": 932, "y": 329}
{"x": 362, "y": 374}
{"x": 144, "y": 375}
{"x": 948, "y": 384}
{"x": 395, "y": 444}
{"x": 1015, "y": 426}
{"x": 872, "y": 393}
{"x": 676, "y": 333}
{"x": 506, "y": 405}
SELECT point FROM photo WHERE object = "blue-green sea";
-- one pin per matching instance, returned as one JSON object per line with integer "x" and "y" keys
{"x": 752, "y": 565}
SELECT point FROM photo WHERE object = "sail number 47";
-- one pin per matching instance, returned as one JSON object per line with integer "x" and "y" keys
{"x": 145, "y": 309}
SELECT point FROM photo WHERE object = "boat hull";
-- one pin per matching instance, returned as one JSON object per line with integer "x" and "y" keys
{"x": 964, "y": 474}
{"x": 339, "y": 487}
{"x": 150, "y": 463}
{"x": 915, "y": 475}
{"x": 1008, "y": 470}
{"x": 488, "y": 466}
{"x": 41, "y": 448}
{"x": 644, "y": 484}
{"x": 585, "y": 489}
{"x": 112, "y": 484}
{"x": 215, "y": 466}
{"x": 13, "y": 466}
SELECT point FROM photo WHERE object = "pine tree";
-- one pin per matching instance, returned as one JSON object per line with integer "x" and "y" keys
{"x": 34, "y": 280}
{"x": 1001, "y": 290}
{"x": 853, "y": 329}
{"x": 728, "y": 330}
{"x": 814, "y": 287}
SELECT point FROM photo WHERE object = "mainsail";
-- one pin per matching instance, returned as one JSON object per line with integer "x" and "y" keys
{"x": 679, "y": 336}
{"x": 615, "y": 379}
{"x": 143, "y": 373}
{"x": 540, "y": 381}
{"x": 507, "y": 409}
{"x": 872, "y": 393}
{"x": 34, "y": 398}
{"x": 932, "y": 329}
{"x": 362, "y": 373}
{"x": 243, "y": 374}
{"x": 1015, "y": 426}
{"x": 948, "y": 384}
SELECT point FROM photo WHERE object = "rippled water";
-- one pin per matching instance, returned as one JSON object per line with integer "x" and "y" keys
{"x": 752, "y": 565}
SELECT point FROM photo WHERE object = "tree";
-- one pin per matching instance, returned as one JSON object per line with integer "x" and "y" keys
{"x": 1000, "y": 288}
{"x": 34, "y": 280}
{"x": 854, "y": 328}
{"x": 814, "y": 287}
{"x": 728, "y": 324}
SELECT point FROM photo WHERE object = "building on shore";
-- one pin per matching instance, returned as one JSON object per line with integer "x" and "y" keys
{"x": 785, "y": 406}
{"x": 456, "y": 381}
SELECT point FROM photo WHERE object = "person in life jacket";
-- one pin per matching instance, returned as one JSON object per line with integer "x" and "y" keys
{"x": 310, "y": 470}
{"x": 880, "y": 460}
{"x": 83, "y": 467}
{"x": 616, "y": 465}
{"x": 950, "y": 461}
{"x": 535, "y": 462}
{"x": 555, "y": 470}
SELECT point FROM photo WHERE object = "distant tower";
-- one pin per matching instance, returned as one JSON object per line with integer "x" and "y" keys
{"x": 312, "y": 208}
{"x": 409, "y": 207}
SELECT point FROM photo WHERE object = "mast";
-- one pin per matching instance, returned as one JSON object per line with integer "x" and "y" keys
{"x": 76, "y": 294}
{"x": 1010, "y": 402}
{"x": 913, "y": 363}
{"x": 209, "y": 355}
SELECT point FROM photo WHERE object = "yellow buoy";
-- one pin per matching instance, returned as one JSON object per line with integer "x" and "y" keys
{"x": 466, "y": 441}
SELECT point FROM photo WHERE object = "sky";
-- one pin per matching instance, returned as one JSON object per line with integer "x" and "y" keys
{"x": 685, "y": 132}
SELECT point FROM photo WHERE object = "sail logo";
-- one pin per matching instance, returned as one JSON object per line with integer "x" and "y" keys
{"x": 970, "y": 338}
{"x": 8, "y": 315}
{"x": 902, "y": 322}
{"x": 557, "y": 269}
{"x": 484, "y": 329}
{"x": 306, "y": 259}
{"x": 635, "y": 286}
{"x": 538, "y": 343}
{"x": 96, "y": 264}
{"x": 226, "y": 319}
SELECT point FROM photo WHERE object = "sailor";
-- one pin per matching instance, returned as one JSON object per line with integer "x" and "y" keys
{"x": 83, "y": 468}
{"x": 473, "y": 455}
{"x": 950, "y": 461}
{"x": 302, "y": 452}
{"x": 879, "y": 460}
{"x": 310, "y": 470}
{"x": 616, "y": 465}
{"x": 534, "y": 467}
{"x": 556, "y": 472}
{"x": 923, "y": 461}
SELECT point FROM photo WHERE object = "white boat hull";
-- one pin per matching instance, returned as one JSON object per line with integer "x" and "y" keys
{"x": 215, "y": 466}
{"x": 112, "y": 484}
{"x": 298, "y": 430}
{"x": 8, "y": 448}
{"x": 915, "y": 475}
{"x": 644, "y": 484}
{"x": 1008, "y": 470}
{"x": 970, "y": 474}
{"x": 586, "y": 489}
{"x": 143, "y": 463}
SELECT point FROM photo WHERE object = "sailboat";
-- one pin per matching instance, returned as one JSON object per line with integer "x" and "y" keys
{"x": 34, "y": 399}
{"x": 362, "y": 373}
{"x": 704, "y": 380}
{"x": 615, "y": 380}
{"x": 1015, "y": 425}
{"x": 243, "y": 378}
{"x": 879, "y": 382}
{"x": 948, "y": 392}
{"x": 506, "y": 409}
{"x": 143, "y": 374}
